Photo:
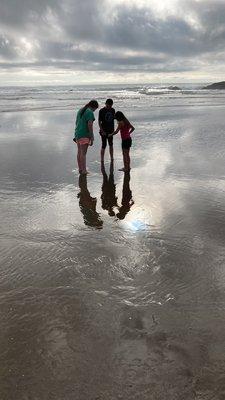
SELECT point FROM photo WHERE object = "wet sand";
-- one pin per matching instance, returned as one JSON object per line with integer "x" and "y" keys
{"x": 112, "y": 287}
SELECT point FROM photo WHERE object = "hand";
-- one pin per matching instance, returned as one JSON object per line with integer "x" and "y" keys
{"x": 110, "y": 134}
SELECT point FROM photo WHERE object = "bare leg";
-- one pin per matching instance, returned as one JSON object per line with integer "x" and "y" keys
{"x": 102, "y": 155}
{"x": 111, "y": 152}
{"x": 83, "y": 152}
{"x": 126, "y": 159}
{"x": 78, "y": 157}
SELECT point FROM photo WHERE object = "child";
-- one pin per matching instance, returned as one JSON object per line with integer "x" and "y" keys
{"x": 83, "y": 134}
{"x": 125, "y": 128}
{"x": 106, "y": 125}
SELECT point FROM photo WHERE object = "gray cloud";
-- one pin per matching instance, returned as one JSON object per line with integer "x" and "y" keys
{"x": 19, "y": 14}
{"x": 81, "y": 35}
{"x": 7, "y": 48}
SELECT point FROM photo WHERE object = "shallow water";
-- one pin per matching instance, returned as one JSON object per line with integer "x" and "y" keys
{"x": 112, "y": 287}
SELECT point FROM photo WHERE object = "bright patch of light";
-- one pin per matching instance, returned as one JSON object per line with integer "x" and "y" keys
{"x": 138, "y": 219}
{"x": 26, "y": 46}
{"x": 137, "y": 225}
{"x": 48, "y": 76}
{"x": 26, "y": 49}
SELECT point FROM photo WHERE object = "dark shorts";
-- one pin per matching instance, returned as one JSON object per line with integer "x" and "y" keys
{"x": 105, "y": 139}
{"x": 126, "y": 143}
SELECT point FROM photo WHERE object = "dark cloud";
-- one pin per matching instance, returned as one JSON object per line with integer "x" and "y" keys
{"x": 117, "y": 65}
{"x": 143, "y": 31}
{"x": 19, "y": 14}
{"x": 82, "y": 20}
{"x": 74, "y": 34}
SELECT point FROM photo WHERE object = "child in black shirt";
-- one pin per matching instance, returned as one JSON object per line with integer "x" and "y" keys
{"x": 106, "y": 125}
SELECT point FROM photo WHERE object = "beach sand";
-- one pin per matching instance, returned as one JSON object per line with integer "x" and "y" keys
{"x": 112, "y": 287}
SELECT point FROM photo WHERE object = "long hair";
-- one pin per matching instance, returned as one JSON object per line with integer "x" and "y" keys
{"x": 119, "y": 116}
{"x": 92, "y": 103}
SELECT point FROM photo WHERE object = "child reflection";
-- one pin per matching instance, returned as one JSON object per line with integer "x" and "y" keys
{"x": 127, "y": 200}
{"x": 88, "y": 205}
{"x": 109, "y": 199}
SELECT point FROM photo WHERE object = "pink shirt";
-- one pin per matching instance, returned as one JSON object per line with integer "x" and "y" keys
{"x": 124, "y": 131}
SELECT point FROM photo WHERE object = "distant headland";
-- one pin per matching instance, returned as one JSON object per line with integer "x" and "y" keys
{"x": 217, "y": 85}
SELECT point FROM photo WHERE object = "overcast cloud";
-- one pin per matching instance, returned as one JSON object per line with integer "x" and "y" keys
{"x": 146, "y": 37}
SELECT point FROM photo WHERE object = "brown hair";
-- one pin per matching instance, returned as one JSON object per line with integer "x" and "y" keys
{"x": 119, "y": 116}
{"x": 92, "y": 104}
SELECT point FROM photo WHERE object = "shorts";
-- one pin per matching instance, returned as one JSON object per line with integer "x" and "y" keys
{"x": 126, "y": 143}
{"x": 105, "y": 138}
{"x": 82, "y": 141}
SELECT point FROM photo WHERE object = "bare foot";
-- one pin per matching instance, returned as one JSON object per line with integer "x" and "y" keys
{"x": 124, "y": 170}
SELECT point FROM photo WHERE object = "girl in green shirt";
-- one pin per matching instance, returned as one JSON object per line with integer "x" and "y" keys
{"x": 83, "y": 134}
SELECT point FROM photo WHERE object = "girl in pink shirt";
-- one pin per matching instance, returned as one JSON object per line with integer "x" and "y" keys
{"x": 125, "y": 128}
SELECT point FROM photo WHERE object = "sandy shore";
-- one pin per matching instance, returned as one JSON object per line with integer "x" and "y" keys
{"x": 113, "y": 288}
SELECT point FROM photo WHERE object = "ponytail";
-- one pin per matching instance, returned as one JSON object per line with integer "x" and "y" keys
{"x": 92, "y": 103}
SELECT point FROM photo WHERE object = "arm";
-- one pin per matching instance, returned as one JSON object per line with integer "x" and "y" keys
{"x": 100, "y": 124}
{"x": 115, "y": 132}
{"x": 117, "y": 129}
{"x": 132, "y": 128}
{"x": 90, "y": 128}
{"x": 89, "y": 117}
{"x": 74, "y": 139}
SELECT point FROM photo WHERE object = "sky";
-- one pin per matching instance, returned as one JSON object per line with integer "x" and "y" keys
{"x": 111, "y": 41}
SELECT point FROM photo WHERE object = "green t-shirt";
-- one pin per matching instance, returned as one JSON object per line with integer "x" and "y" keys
{"x": 81, "y": 129}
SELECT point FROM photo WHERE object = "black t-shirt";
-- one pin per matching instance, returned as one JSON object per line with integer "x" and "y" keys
{"x": 106, "y": 117}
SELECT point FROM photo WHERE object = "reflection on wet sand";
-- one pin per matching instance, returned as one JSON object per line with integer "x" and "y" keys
{"x": 127, "y": 200}
{"x": 88, "y": 205}
{"x": 139, "y": 313}
{"x": 109, "y": 199}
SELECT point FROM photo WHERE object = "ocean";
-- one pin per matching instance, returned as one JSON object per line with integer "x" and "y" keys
{"x": 112, "y": 285}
